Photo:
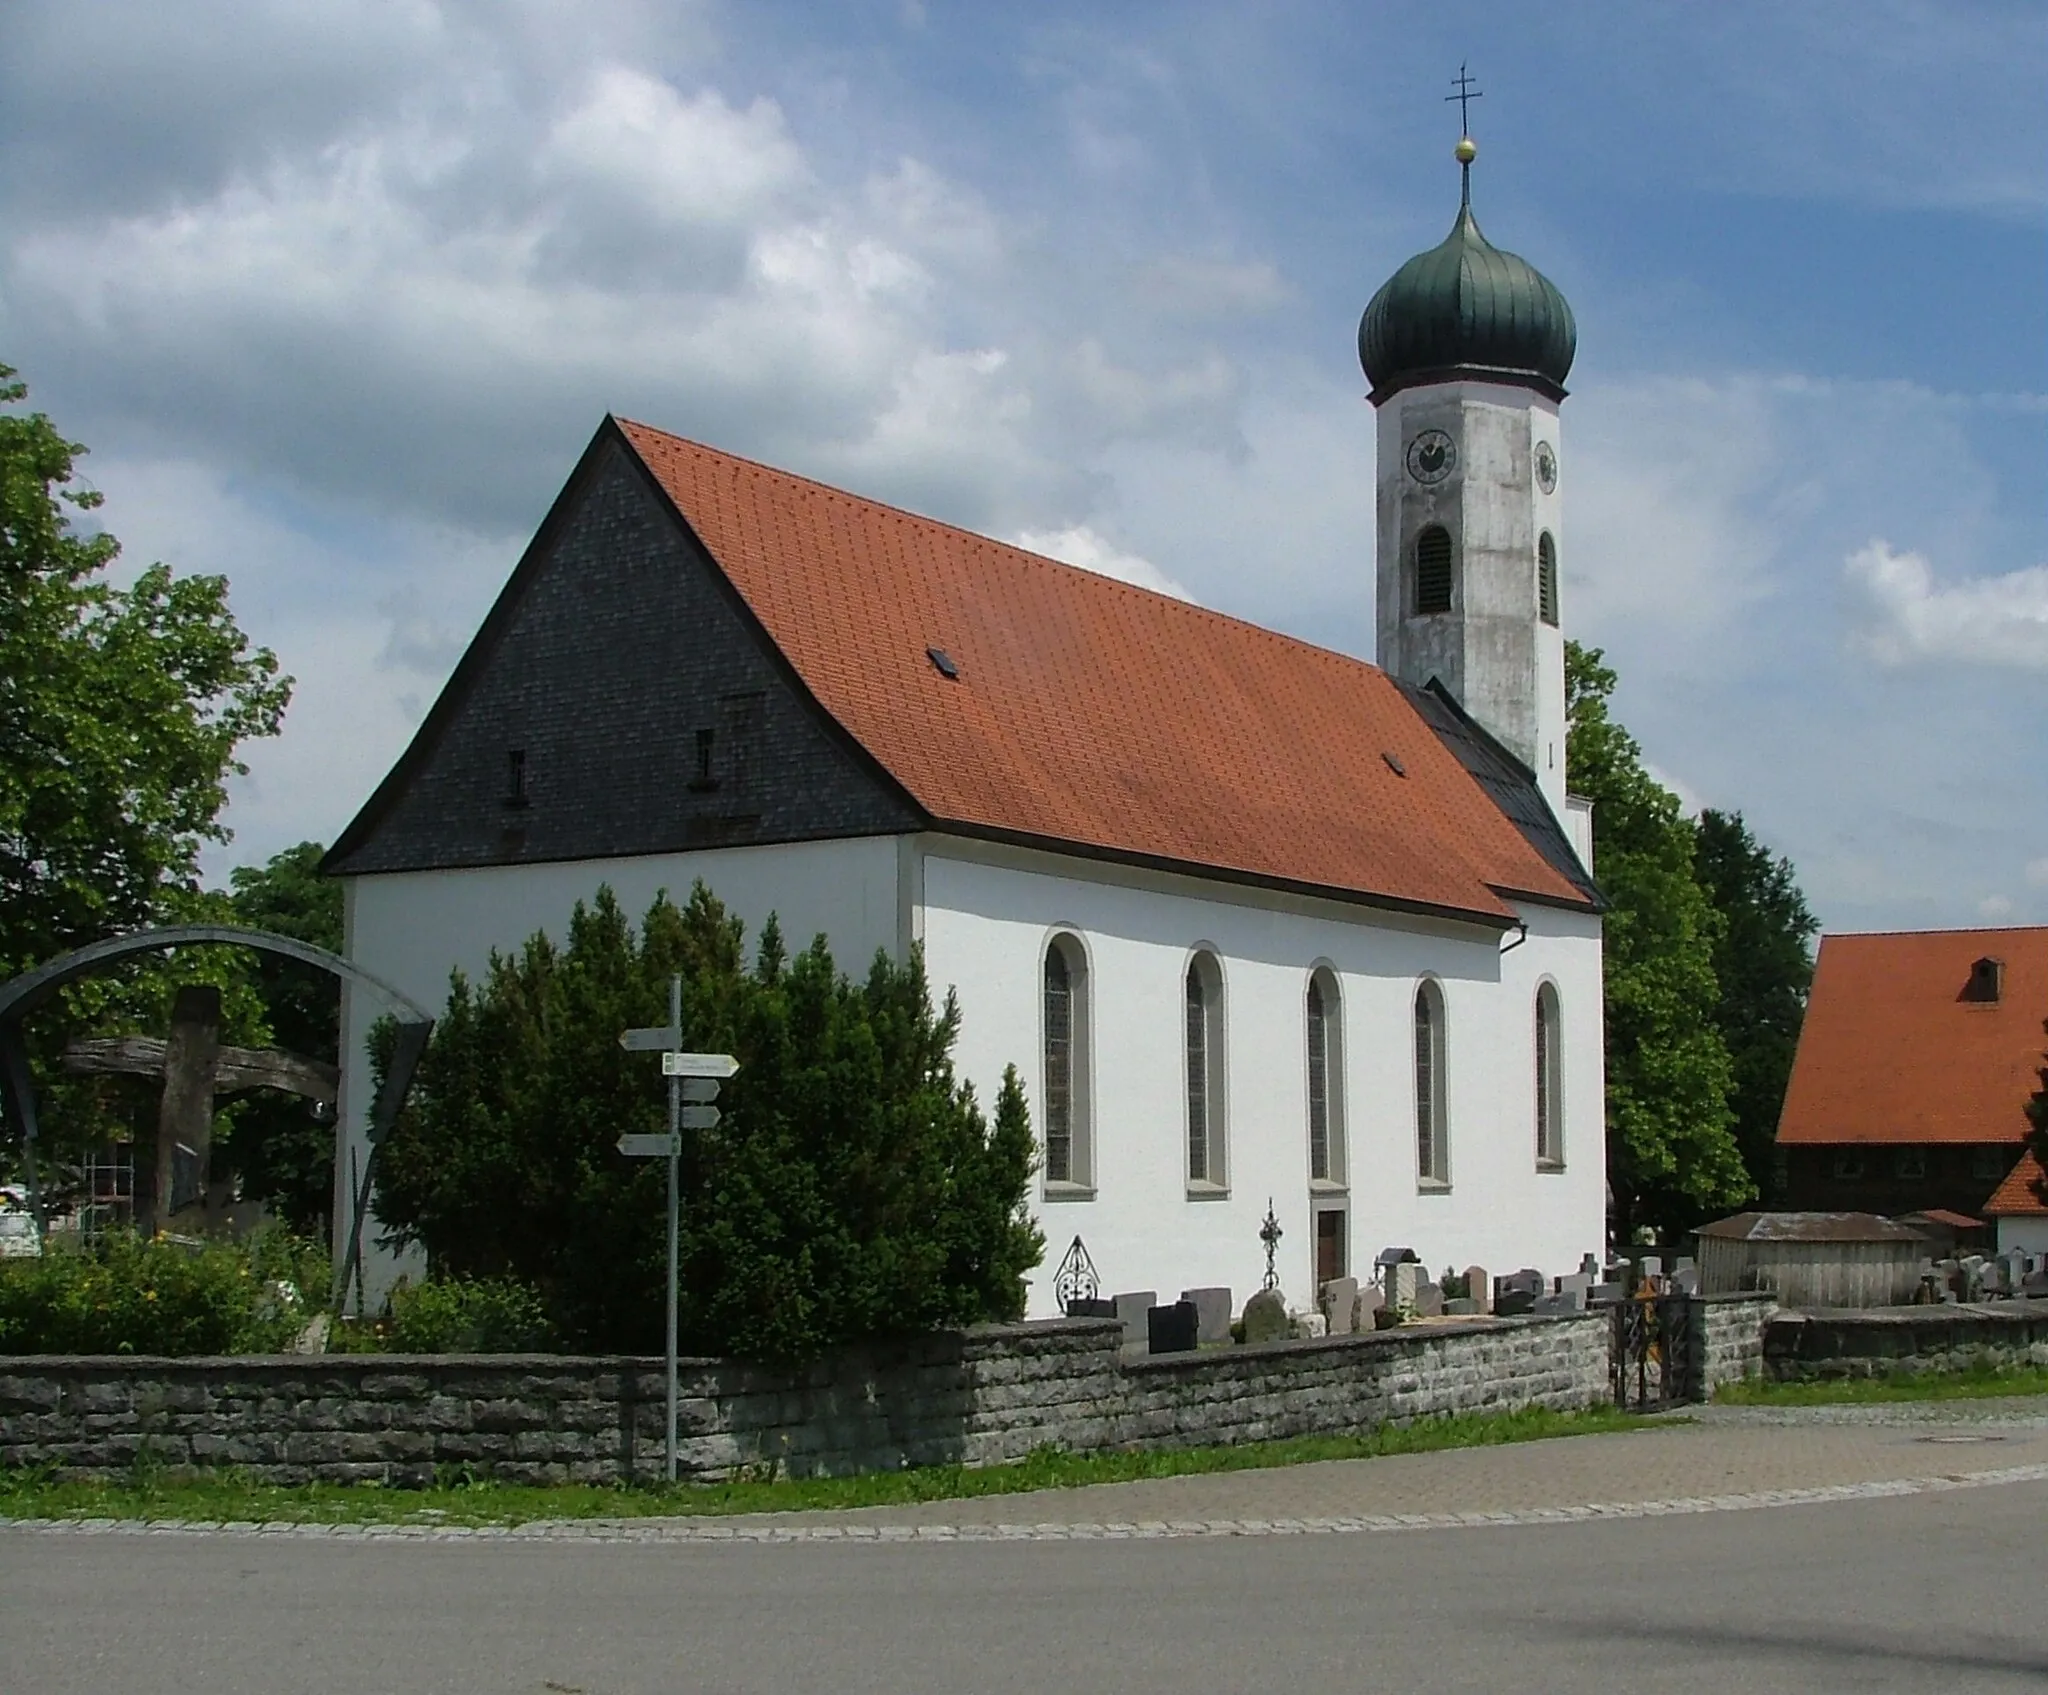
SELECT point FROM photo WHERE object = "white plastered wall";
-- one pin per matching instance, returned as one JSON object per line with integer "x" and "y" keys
{"x": 985, "y": 917}
{"x": 413, "y": 928}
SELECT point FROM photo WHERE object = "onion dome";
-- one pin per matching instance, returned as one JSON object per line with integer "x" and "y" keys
{"x": 1467, "y": 309}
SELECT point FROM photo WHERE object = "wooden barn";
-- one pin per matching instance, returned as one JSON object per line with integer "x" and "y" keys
{"x": 1813, "y": 1259}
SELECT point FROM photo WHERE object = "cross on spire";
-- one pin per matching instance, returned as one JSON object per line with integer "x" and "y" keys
{"x": 1466, "y": 94}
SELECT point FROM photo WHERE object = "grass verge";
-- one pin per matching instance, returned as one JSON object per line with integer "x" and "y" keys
{"x": 1974, "y": 1383}
{"x": 225, "y": 1497}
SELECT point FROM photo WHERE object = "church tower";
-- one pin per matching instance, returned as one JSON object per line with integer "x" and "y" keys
{"x": 1467, "y": 348}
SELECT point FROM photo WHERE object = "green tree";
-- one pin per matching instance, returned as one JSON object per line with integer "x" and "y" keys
{"x": 1671, "y": 1152}
{"x": 121, "y": 709}
{"x": 282, "y": 1150}
{"x": 1763, "y": 965}
{"x": 853, "y": 1188}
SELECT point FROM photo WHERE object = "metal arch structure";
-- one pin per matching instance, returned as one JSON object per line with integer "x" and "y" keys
{"x": 25, "y": 993}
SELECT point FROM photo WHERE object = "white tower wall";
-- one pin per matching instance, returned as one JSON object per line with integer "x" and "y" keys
{"x": 1492, "y": 650}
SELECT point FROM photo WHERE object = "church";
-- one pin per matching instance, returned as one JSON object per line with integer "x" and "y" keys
{"x": 1260, "y": 924}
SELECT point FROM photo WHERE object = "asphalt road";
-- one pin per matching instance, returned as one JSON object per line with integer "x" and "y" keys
{"x": 1931, "y": 1592}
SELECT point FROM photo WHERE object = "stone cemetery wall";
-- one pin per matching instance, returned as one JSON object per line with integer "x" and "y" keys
{"x": 976, "y": 1397}
{"x": 1885, "y": 1341}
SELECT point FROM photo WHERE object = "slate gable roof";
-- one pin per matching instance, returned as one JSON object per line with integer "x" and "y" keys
{"x": 1897, "y": 1049}
{"x": 1089, "y": 716}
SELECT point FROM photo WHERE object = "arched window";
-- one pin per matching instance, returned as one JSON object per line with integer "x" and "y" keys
{"x": 1067, "y": 1150}
{"x": 1549, "y": 1082}
{"x": 1204, "y": 1051}
{"x": 1433, "y": 570}
{"x": 1432, "y": 1152}
{"x": 1546, "y": 578}
{"x": 1325, "y": 1079}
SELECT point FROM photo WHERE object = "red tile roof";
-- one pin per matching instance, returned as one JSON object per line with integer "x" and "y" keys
{"x": 2015, "y": 1197}
{"x": 1088, "y": 713}
{"x": 1893, "y": 1051}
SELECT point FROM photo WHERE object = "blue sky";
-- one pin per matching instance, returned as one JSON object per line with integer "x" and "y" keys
{"x": 336, "y": 293}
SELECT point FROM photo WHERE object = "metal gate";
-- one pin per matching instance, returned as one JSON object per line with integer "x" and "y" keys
{"x": 1651, "y": 1362}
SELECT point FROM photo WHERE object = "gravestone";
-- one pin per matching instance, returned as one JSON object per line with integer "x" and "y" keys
{"x": 1133, "y": 1310}
{"x": 1463, "y": 1307}
{"x": 1517, "y": 1292}
{"x": 1684, "y": 1263}
{"x": 1265, "y": 1317}
{"x": 1606, "y": 1294}
{"x": 1082, "y": 1306}
{"x": 1589, "y": 1269}
{"x": 1568, "y": 1300}
{"x": 1479, "y": 1288}
{"x": 1339, "y": 1301}
{"x": 1403, "y": 1279}
{"x": 1372, "y": 1301}
{"x": 1309, "y": 1324}
{"x": 1686, "y": 1280}
{"x": 1653, "y": 1266}
{"x": 1212, "y": 1314}
{"x": 1575, "y": 1283}
{"x": 1429, "y": 1300}
{"x": 1171, "y": 1330}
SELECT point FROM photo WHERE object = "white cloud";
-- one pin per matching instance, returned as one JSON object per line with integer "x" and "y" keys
{"x": 1909, "y": 616}
{"x": 1082, "y": 546}
{"x": 1994, "y": 906}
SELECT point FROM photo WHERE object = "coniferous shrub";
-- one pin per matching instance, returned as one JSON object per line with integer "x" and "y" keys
{"x": 853, "y": 1188}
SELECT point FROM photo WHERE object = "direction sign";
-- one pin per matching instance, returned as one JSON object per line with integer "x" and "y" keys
{"x": 656, "y": 1144}
{"x": 698, "y": 1065}
{"x": 700, "y": 1088}
{"x": 700, "y": 1117}
{"x": 651, "y": 1038}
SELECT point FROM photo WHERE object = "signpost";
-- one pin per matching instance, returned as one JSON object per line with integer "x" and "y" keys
{"x": 693, "y": 1077}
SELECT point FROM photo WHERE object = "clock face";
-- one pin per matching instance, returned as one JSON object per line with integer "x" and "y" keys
{"x": 1546, "y": 467}
{"x": 1432, "y": 456}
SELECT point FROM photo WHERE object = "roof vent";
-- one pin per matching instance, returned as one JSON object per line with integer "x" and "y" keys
{"x": 942, "y": 661}
{"x": 1394, "y": 764}
{"x": 1987, "y": 980}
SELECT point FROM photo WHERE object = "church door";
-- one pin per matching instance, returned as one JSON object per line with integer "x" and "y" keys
{"x": 1330, "y": 1254}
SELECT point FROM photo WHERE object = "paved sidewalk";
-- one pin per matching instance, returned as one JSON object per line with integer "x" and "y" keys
{"x": 1724, "y": 1459}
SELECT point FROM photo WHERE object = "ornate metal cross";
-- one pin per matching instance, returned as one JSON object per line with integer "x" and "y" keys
{"x": 1466, "y": 94}
{"x": 1270, "y": 1233}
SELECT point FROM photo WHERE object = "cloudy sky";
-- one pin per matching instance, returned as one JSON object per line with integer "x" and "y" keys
{"x": 336, "y": 290}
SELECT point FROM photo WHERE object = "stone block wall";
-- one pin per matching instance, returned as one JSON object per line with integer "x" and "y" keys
{"x": 1889, "y": 1341}
{"x": 976, "y": 1397}
{"x": 1728, "y": 1338}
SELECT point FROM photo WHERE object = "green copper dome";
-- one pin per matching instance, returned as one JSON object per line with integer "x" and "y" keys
{"x": 1467, "y": 309}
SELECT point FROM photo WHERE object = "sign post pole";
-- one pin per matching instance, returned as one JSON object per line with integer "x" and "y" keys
{"x": 692, "y": 1076}
{"x": 675, "y": 1120}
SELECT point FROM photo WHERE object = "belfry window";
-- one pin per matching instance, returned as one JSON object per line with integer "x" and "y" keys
{"x": 1067, "y": 1162}
{"x": 1546, "y": 579}
{"x": 1203, "y": 1049}
{"x": 1432, "y": 1151}
{"x": 1433, "y": 570}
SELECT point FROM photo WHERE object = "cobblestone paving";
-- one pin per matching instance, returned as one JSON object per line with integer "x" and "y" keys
{"x": 1728, "y": 1459}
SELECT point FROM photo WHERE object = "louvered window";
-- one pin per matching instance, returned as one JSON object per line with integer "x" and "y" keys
{"x": 1433, "y": 570}
{"x": 1546, "y": 579}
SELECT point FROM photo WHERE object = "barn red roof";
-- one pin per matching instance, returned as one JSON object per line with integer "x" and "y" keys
{"x": 1902, "y": 1042}
{"x": 1089, "y": 713}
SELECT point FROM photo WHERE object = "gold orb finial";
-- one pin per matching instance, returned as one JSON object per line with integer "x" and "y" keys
{"x": 1467, "y": 150}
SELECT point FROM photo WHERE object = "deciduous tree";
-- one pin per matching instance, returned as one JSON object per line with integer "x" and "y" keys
{"x": 1671, "y": 1152}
